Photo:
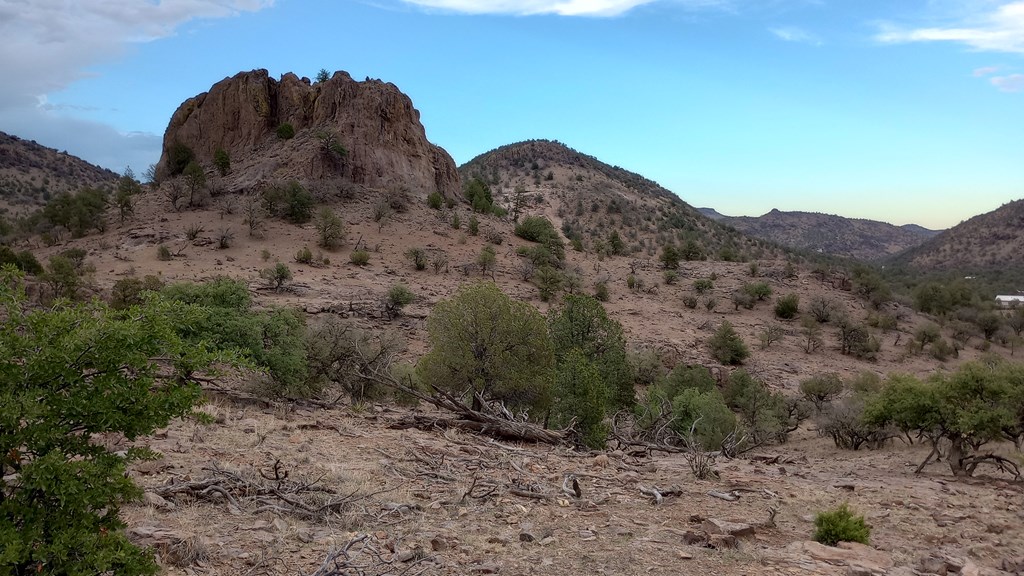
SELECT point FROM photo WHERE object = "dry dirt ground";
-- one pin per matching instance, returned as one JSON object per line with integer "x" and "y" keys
{"x": 434, "y": 502}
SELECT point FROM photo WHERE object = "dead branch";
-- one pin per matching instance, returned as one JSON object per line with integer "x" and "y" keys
{"x": 727, "y": 496}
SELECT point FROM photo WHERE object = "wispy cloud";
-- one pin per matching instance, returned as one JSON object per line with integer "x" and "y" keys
{"x": 50, "y": 44}
{"x": 794, "y": 34}
{"x": 985, "y": 71}
{"x": 532, "y": 7}
{"x": 998, "y": 30}
{"x": 1010, "y": 83}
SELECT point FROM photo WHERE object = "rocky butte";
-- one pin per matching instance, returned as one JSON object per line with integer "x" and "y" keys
{"x": 385, "y": 145}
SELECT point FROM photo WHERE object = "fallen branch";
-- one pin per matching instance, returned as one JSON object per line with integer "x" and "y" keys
{"x": 727, "y": 496}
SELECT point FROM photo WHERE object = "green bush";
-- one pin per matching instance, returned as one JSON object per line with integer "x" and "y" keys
{"x": 285, "y": 131}
{"x": 487, "y": 346}
{"x": 821, "y": 389}
{"x": 582, "y": 324}
{"x": 703, "y": 285}
{"x": 61, "y": 488}
{"x": 435, "y": 200}
{"x": 222, "y": 161}
{"x": 79, "y": 213}
{"x": 290, "y": 201}
{"x": 473, "y": 226}
{"x": 271, "y": 339}
{"x": 840, "y": 525}
{"x": 601, "y": 291}
{"x": 418, "y": 257}
{"x": 179, "y": 156}
{"x": 541, "y": 230}
{"x": 705, "y": 413}
{"x": 670, "y": 257}
{"x": 399, "y": 296}
{"x": 359, "y": 257}
{"x": 128, "y": 292}
{"x": 727, "y": 347}
{"x": 548, "y": 281}
{"x": 580, "y": 399}
{"x": 304, "y": 255}
{"x": 478, "y": 193}
{"x": 277, "y": 275}
{"x": 24, "y": 260}
{"x": 330, "y": 229}
{"x": 759, "y": 290}
{"x": 786, "y": 307}
{"x": 163, "y": 253}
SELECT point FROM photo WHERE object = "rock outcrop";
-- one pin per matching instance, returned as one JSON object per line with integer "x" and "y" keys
{"x": 376, "y": 124}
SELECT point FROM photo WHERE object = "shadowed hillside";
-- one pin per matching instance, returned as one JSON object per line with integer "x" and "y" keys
{"x": 857, "y": 238}
{"x": 31, "y": 174}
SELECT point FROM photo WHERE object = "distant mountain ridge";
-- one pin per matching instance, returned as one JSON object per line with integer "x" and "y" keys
{"x": 867, "y": 240}
{"x": 31, "y": 174}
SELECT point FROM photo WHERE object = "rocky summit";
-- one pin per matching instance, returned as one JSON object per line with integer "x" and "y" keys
{"x": 284, "y": 129}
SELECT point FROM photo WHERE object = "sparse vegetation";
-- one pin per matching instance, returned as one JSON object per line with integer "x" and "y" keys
{"x": 359, "y": 257}
{"x": 277, "y": 275}
{"x": 330, "y": 229}
{"x": 726, "y": 345}
{"x": 840, "y": 525}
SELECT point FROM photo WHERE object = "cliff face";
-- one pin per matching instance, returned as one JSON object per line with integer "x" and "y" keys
{"x": 374, "y": 121}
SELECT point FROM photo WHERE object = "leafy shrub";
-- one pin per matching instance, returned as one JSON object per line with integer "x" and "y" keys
{"x": 277, "y": 275}
{"x": 541, "y": 230}
{"x": 840, "y": 525}
{"x": 399, "y": 296}
{"x": 485, "y": 345}
{"x": 330, "y": 229}
{"x": 304, "y": 255}
{"x": 359, "y": 257}
{"x": 487, "y": 260}
{"x": 726, "y": 345}
{"x": 271, "y": 339}
{"x": 759, "y": 290}
{"x": 580, "y": 399}
{"x": 290, "y": 201}
{"x": 78, "y": 213}
{"x": 786, "y": 307}
{"x": 24, "y": 260}
{"x": 690, "y": 301}
{"x": 163, "y": 253}
{"x": 285, "y": 131}
{"x": 601, "y": 291}
{"x": 222, "y": 161}
{"x": 705, "y": 413}
{"x": 670, "y": 257}
{"x": 478, "y": 193}
{"x": 742, "y": 298}
{"x": 670, "y": 277}
{"x": 62, "y": 488}
{"x": 703, "y": 285}
{"x": 128, "y": 292}
{"x": 179, "y": 156}
{"x": 582, "y": 324}
{"x": 62, "y": 277}
{"x": 821, "y": 389}
{"x": 435, "y": 200}
{"x": 418, "y": 257}
{"x": 473, "y": 226}
{"x": 548, "y": 281}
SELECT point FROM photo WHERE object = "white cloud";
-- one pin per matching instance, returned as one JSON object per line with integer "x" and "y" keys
{"x": 998, "y": 30}
{"x": 531, "y": 7}
{"x": 985, "y": 71}
{"x": 50, "y": 44}
{"x": 1010, "y": 83}
{"x": 794, "y": 34}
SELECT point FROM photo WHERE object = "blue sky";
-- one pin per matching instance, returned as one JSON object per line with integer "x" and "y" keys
{"x": 908, "y": 111}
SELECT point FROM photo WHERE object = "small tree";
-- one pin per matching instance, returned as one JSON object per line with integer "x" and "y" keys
{"x": 670, "y": 257}
{"x": 418, "y": 257}
{"x": 726, "y": 345}
{"x": 322, "y": 76}
{"x": 959, "y": 413}
{"x": 253, "y": 216}
{"x": 62, "y": 277}
{"x": 222, "y": 161}
{"x": 399, "y": 296}
{"x": 61, "y": 489}
{"x": 277, "y": 275}
{"x": 330, "y": 229}
{"x": 548, "y": 281}
{"x": 487, "y": 260}
{"x": 124, "y": 198}
{"x": 786, "y": 307}
{"x": 486, "y": 346}
{"x": 195, "y": 182}
{"x": 821, "y": 389}
{"x": 580, "y": 399}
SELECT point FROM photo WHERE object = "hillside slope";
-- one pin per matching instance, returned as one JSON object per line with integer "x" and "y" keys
{"x": 31, "y": 173}
{"x": 989, "y": 245}
{"x": 590, "y": 200}
{"x": 857, "y": 238}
